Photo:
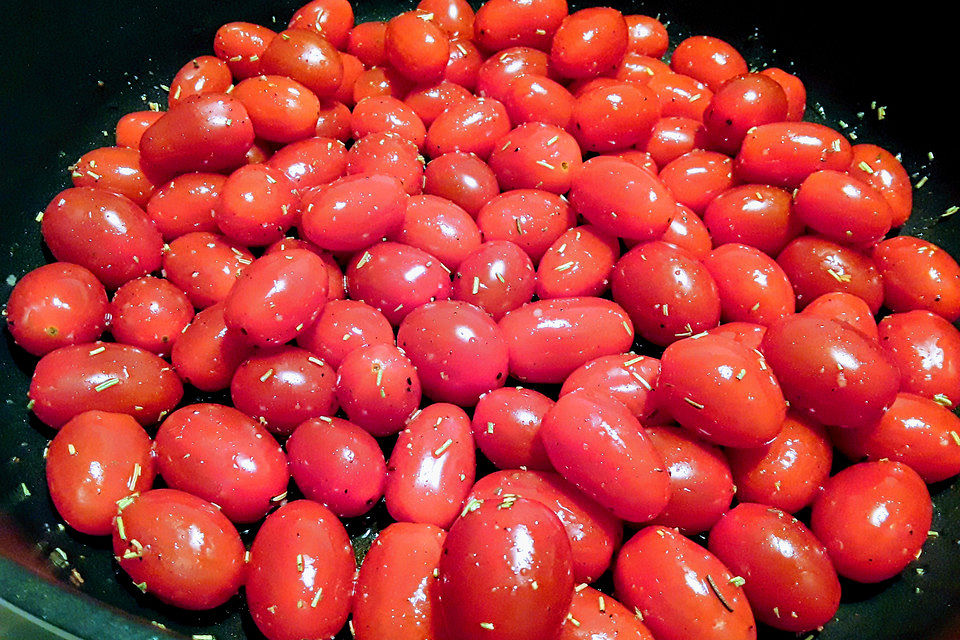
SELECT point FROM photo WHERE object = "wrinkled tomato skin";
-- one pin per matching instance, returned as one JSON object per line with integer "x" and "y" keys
{"x": 626, "y": 377}
{"x": 790, "y": 581}
{"x": 300, "y": 539}
{"x": 842, "y": 208}
{"x": 106, "y": 233}
{"x": 788, "y": 472}
{"x": 338, "y": 464}
{"x": 432, "y": 467}
{"x": 816, "y": 266}
{"x": 697, "y": 177}
{"x": 578, "y": 263}
{"x": 185, "y": 204}
{"x": 755, "y": 215}
{"x": 187, "y": 553}
{"x": 846, "y": 307}
{"x": 831, "y": 370}
{"x": 56, "y": 305}
{"x": 709, "y": 60}
{"x": 752, "y": 286}
{"x": 114, "y": 169}
{"x": 96, "y": 459}
{"x": 873, "y": 518}
{"x": 79, "y": 378}
{"x": 208, "y": 351}
{"x": 664, "y": 576}
{"x": 205, "y": 266}
{"x": 499, "y": 24}
{"x": 462, "y": 178}
{"x": 240, "y": 45}
{"x": 378, "y": 388}
{"x": 926, "y": 349}
{"x": 341, "y": 327}
{"x": 506, "y": 428}
{"x": 150, "y": 313}
{"x": 396, "y": 585}
{"x": 918, "y": 275}
{"x": 498, "y": 277}
{"x": 519, "y": 558}
{"x": 600, "y": 617}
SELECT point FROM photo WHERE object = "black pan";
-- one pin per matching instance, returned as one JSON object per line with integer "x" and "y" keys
{"x": 70, "y": 69}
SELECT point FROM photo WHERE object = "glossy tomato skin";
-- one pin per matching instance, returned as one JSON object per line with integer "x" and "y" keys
{"x": 366, "y": 42}
{"x": 416, "y": 47}
{"x": 106, "y": 233}
{"x": 498, "y": 277}
{"x": 224, "y": 456}
{"x": 846, "y": 307}
{"x": 680, "y": 95}
{"x": 626, "y": 377}
{"x": 788, "y": 472}
{"x": 240, "y": 45}
{"x": 186, "y": 203}
{"x": 881, "y": 170}
{"x": 306, "y": 57}
{"x": 597, "y": 616}
{"x": 207, "y": 132}
{"x": 687, "y": 231}
{"x": 578, "y": 263}
{"x": 203, "y": 74}
{"x": 387, "y": 153}
{"x": 208, "y": 351}
{"x": 96, "y": 459}
{"x": 281, "y": 109}
{"x": 205, "y": 266}
{"x": 926, "y": 350}
{"x": 873, "y": 519}
{"x": 596, "y": 444}
{"x": 837, "y": 374}
{"x": 334, "y": 120}
{"x": 311, "y": 162}
{"x": 378, "y": 388}
{"x": 103, "y": 376}
{"x": 697, "y": 177}
{"x": 842, "y": 208}
{"x": 589, "y": 43}
{"x": 432, "y": 467}
{"x": 429, "y": 102}
{"x": 536, "y": 155}
{"x": 396, "y": 584}
{"x": 301, "y": 550}
{"x": 338, "y": 464}
{"x": 531, "y": 97}
{"x": 150, "y": 313}
{"x": 665, "y": 577}
{"x": 548, "y": 339}
{"x": 611, "y": 118}
{"x": 497, "y": 565}
{"x": 130, "y": 127}
{"x": 706, "y": 381}
{"x": 672, "y": 136}
{"x": 471, "y": 127}
{"x": 180, "y": 548}
{"x": 648, "y": 36}
{"x": 341, "y": 327}
{"x": 918, "y": 275}
{"x": 748, "y": 334}
{"x": 668, "y": 293}
{"x": 594, "y": 532}
{"x": 458, "y": 350}
{"x": 440, "y": 228}
{"x": 741, "y": 103}
{"x": 709, "y": 60}
{"x": 377, "y": 114}
{"x": 497, "y": 73}
{"x": 783, "y": 154}
{"x": 752, "y": 286}
{"x": 501, "y": 23}
{"x": 56, "y": 305}
{"x": 756, "y": 215}
{"x": 793, "y": 87}
{"x": 332, "y": 19}
{"x": 790, "y": 581}
{"x": 277, "y": 296}
{"x": 463, "y": 179}
{"x": 816, "y": 266}
{"x": 114, "y": 169}
{"x": 506, "y": 428}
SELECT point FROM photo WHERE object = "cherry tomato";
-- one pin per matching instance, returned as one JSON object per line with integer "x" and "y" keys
{"x": 626, "y": 377}
{"x": 687, "y": 231}
{"x": 881, "y": 170}
{"x": 455, "y": 17}
{"x": 614, "y": 117}
{"x": 380, "y": 81}
{"x": 352, "y": 70}
{"x": 680, "y": 95}
{"x": 311, "y": 162}
{"x": 783, "y": 154}
{"x": 440, "y": 228}
{"x": 334, "y": 120}
{"x": 416, "y": 47}
{"x": 845, "y": 307}
{"x": 186, "y": 203}
{"x": 208, "y": 351}
{"x": 793, "y": 87}
{"x": 378, "y": 388}
{"x": 241, "y": 45}
{"x": 388, "y": 154}
{"x": 96, "y": 459}
{"x": 638, "y": 68}
{"x": 918, "y": 275}
{"x": 366, "y": 42}
{"x": 647, "y": 35}
{"x": 926, "y": 349}
{"x": 709, "y": 60}
{"x": 842, "y": 208}
{"x": 428, "y": 103}
{"x": 338, "y": 464}
{"x": 756, "y": 215}
{"x": 531, "y": 218}
{"x": 179, "y": 548}
{"x": 497, "y": 73}
{"x": 306, "y": 57}
{"x": 873, "y": 518}
{"x": 578, "y": 263}
{"x": 752, "y": 287}
{"x": 203, "y": 74}
{"x": 114, "y": 169}
{"x": 378, "y": 114}
{"x": 498, "y": 277}
{"x": 748, "y": 334}
{"x": 672, "y": 136}
{"x": 742, "y": 103}
{"x": 131, "y": 126}
{"x": 589, "y": 43}
{"x": 150, "y": 313}
{"x": 536, "y": 155}
{"x": 536, "y": 98}
{"x": 332, "y": 19}
{"x": 463, "y": 65}
{"x": 281, "y": 109}
{"x": 505, "y": 23}
{"x": 462, "y": 178}
{"x": 594, "y": 615}
{"x": 816, "y": 266}
{"x": 506, "y": 428}
{"x": 257, "y": 205}
{"x": 697, "y": 177}
{"x": 352, "y": 212}
{"x": 341, "y": 327}
{"x": 473, "y": 126}
{"x": 205, "y": 266}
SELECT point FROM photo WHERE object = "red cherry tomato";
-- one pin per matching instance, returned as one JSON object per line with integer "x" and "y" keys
{"x": 680, "y": 95}
{"x": 311, "y": 162}
{"x": 578, "y": 263}
{"x": 536, "y": 155}
{"x": 505, "y": 23}
{"x": 589, "y": 43}
{"x": 366, "y": 42}
{"x": 178, "y": 547}
{"x": 918, "y": 275}
{"x": 531, "y": 97}
{"x": 378, "y": 388}
{"x": 687, "y": 231}
{"x": 114, "y": 169}
{"x": 203, "y": 74}
{"x": 752, "y": 287}
{"x": 816, "y": 266}
{"x": 783, "y": 154}
{"x": 281, "y": 109}
{"x": 332, "y": 19}
{"x": 352, "y": 70}
{"x": 334, "y": 120}
{"x": 506, "y": 428}
{"x": 626, "y": 377}
{"x": 463, "y": 65}
{"x": 378, "y": 114}
{"x": 241, "y": 45}
{"x": 388, "y": 154}
{"x": 672, "y": 136}
{"x": 615, "y": 117}
{"x": 462, "y": 178}
{"x": 428, "y": 103}
{"x": 416, "y": 47}
{"x": 131, "y": 126}
{"x": 845, "y": 307}
{"x": 740, "y": 104}
{"x": 498, "y": 277}
{"x": 647, "y": 35}
{"x": 926, "y": 349}
{"x": 205, "y": 266}
{"x": 531, "y": 218}
{"x": 709, "y": 60}
{"x": 842, "y": 208}
{"x": 473, "y": 126}
{"x": 793, "y": 87}
{"x": 697, "y": 177}
{"x": 380, "y": 81}
{"x": 257, "y": 205}
{"x": 497, "y": 73}
{"x": 150, "y": 313}
{"x": 353, "y": 212}
{"x": 208, "y": 351}
{"x": 455, "y": 17}
{"x": 748, "y": 334}
{"x": 594, "y": 614}
{"x": 756, "y": 215}
{"x": 439, "y": 227}
{"x": 639, "y": 68}
{"x": 881, "y": 170}
{"x": 341, "y": 327}
{"x": 186, "y": 203}
{"x": 306, "y": 57}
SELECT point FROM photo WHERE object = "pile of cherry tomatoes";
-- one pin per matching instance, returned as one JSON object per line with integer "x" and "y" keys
{"x": 397, "y": 243}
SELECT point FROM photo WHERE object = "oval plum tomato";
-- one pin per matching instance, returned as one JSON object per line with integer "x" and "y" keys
{"x": 205, "y": 266}
{"x": 429, "y": 102}
{"x": 638, "y": 68}
{"x": 640, "y": 158}
{"x": 352, "y": 70}
{"x": 395, "y": 587}
{"x": 506, "y": 428}
{"x": 352, "y": 212}
{"x": 114, "y": 169}
{"x": 783, "y": 154}
{"x": 701, "y": 487}
{"x": 378, "y": 114}
{"x": 208, "y": 351}
{"x": 594, "y": 532}
{"x": 499, "y": 24}
{"x": 277, "y": 296}
{"x": 388, "y": 154}
{"x": 498, "y": 277}
{"x": 687, "y": 231}
{"x": 672, "y": 136}
{"x": 535, "y": 98}
{"x": 281, "y": 109}
{"x": 599, "y": 446}
{"x": 748, "y": 334}
{"x": 873, "y": 518}
{"x": 752, "y": 287}
{"x": 458, "y": 350}
{"x": 473, "y": 126}
{"x": 497, "y": 73}
{"x": 794, "y": 89}
{"x": 785, "y": 571}
{"x": 842, "y": 208}
{"x": 614, "y": 117}
{"x": 103, "y": 376}
{"x": 918, "y": 275}
{"x": 833, "y": 371}
{"x": 709, "y": 60}
{"x": 926, "y": 349}
{"x": 311, "y": 162}
{"x": 647, "y": 35}
{"x": 548, "y": 339}
{"x": 432, "y": 467}
{"x": 536, "y": 155}
{"x": 332, "y": 19}
{"x": 203, "y": 74}
{"x": 241, "y": 45}
{"x": 179, "y": 548}
{"x": 514, "y": 551}
{"x": 680, "y": 95}
{"x": 589, "y": 43}
{"x": 207, "y": 132}
{"x": 366, "y": 42}
{"x": 300, "y": 575}
{"x": 380, "y": 81}
{"x": 56, "y": 305}
{"x": 680, "y": 589}
{"x": 845, "y": 307}
{"x": 756, "y": 215}
{"x": 463, "y": 179}
{"x": 416, "y": 47}
{"x": 338, "y": 464}
{"x": 224, "y": 456}
{"x": 96, "y": 459}
{"x": 881, "y": 170}
{"x": 396, "y": 279}
{"x": 334, "y": 120}
{"x": 706, "y": 381}
{"x": 668, "y": 293}
{"x": 378, "y": 388}
{"x": 594, "y": 614}
{"x": 186, "y": 203}
{"x": 306, "y": 57}
{"x": 915, "y": 431}
{"x": 816, "y": 266}
{"x": 626, "y": 377}
{"x": 257, "y": 205}
{"x": 103, "y": 232}
{"x": 130, "y": 127}
{"x": 439, "y": 227}
{"x": 622, "y": 199}
{"x": 463, "y": 65}
{"x": 788, "y": 472}
{"x": 578, "y": 263}
{"x": 531, "y": 218}
{"x": 740, "y": 104}
{"x": 697, "y": 177}
{"x": 341, "y": 327}
{"x": 150, "y": 313}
